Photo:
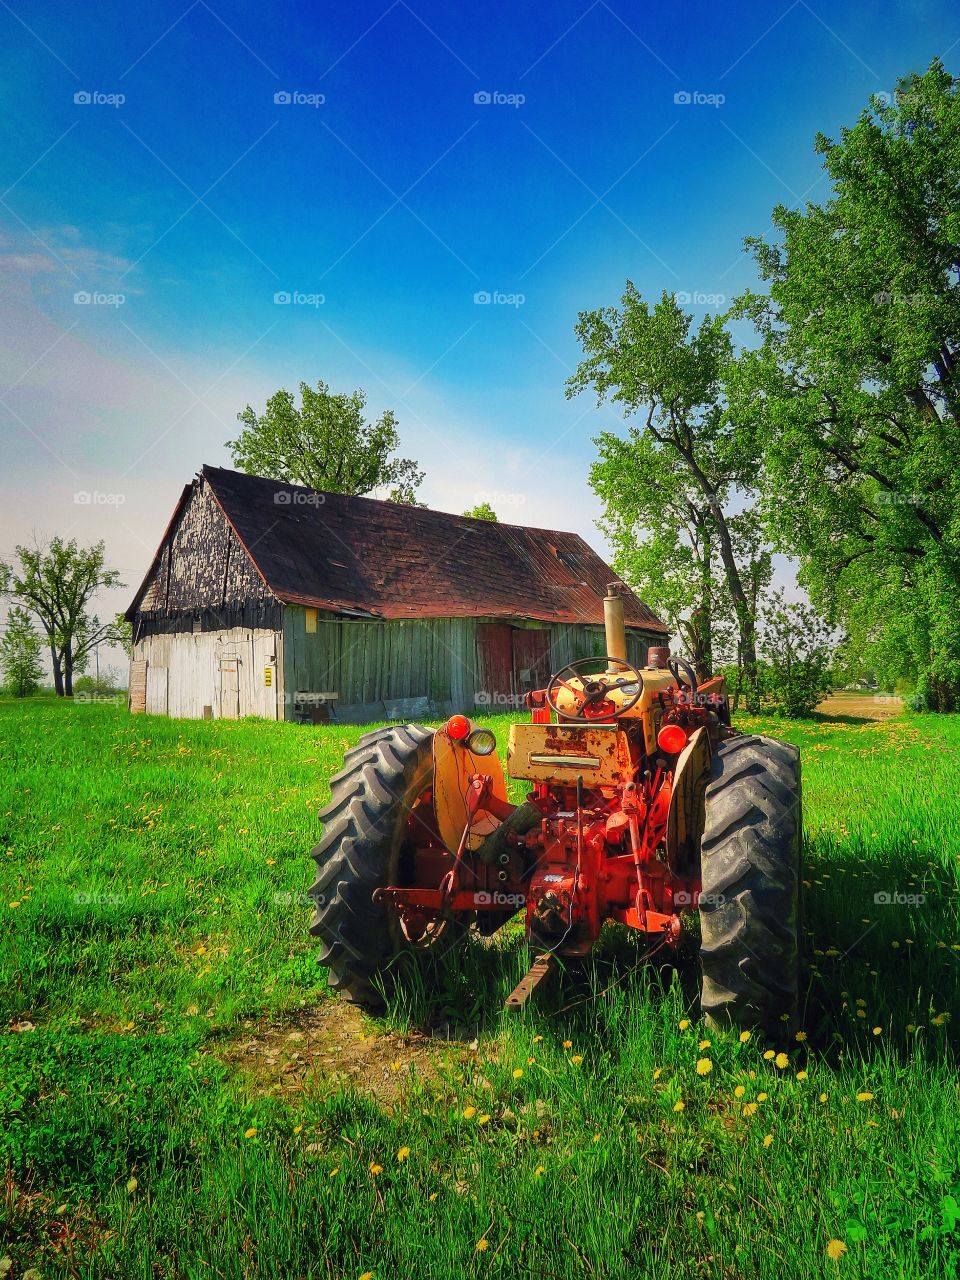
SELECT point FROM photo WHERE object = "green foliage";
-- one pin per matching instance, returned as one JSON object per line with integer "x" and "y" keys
{"x": 796, "y": 657}
{"x": 669, "y": 488}
{"x": 482, "y": 511}
{"x": 20, "y": 654}
{"x": 325, "y": 443}
{"x": 854, "y": 388}
{"x": 57, "y": 583}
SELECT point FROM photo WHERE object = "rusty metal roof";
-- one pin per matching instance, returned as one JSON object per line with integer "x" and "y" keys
{"x": 360, "y": 556}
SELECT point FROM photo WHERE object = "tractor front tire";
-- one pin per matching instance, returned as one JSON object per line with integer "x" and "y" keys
{"x": 750, "y": 878}
{"x": 364, "y": 833}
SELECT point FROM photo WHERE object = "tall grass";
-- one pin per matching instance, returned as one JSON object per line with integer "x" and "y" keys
{"x": 158, "y": 870}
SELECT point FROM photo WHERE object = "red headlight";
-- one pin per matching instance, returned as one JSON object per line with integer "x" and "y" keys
{"x": 672, "y": 739}
{"x": 458, "y": 727}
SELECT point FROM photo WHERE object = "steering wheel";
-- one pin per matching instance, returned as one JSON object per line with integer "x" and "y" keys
{"x": 689, "y": 677}
{"x": 595, "y": 687}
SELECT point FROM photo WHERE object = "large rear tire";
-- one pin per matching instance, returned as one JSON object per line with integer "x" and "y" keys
{"x": 750, "y": 876}
{"x": 363, "y": 841}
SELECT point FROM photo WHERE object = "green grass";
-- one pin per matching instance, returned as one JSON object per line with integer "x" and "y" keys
{"x": 159, "y": 868}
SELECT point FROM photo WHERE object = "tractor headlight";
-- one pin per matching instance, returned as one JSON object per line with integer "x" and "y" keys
{"x": 482, "y": 742}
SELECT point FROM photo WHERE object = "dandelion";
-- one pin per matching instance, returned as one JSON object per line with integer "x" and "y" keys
{"x": 657, "y": 1072}
{"x": 835, "y": 1249}
{"x": 537, "y": 1039}
{"x": 823, "y": 1097}
{"x": 768, "y": 1140}
{"x": 744, "y": 1037}
{"x": 396, "y": 1065}
{"x": 679, "y": 1105}
{"x": 800, "y": 1037}
{"x": 517, "y": 1072}
{"x": 761, "y": 1097}
{"x": 484, "y": 1119}
{"x": 596, "y": 1137}
{"x": 539, "y": 1171}
{"x": 483, "y": 1245}
{"x": 750, "y": 1109}
{"x": 366, "y": 1275}
{"x": 684, "y": 1023}
{"x": 781, "y": 1061}
{"x": 801, "y": 1075}
{"x": 334, "y": 1172}
{"x": 878, "y": 1031}
{"x": 739, "y": 1091}
{"x": 250, "y": 1133}
{"x": 577, "y": 1059}
{"x": 568, "y": 1044}
{"x": 403, "y": 1154}
{"x": 768, "y": 1056}
{"x": 531, "y": 1061}
{"x": 376, "y": 1169}
{"x": 298, "y": 1128}
{"x": 432, "y": 1196}
{"x": 704, "y": 1066}
{"x": 132, "y": 1185}
{"x": 864, "y": 1096}
{"x": 910, "y": 1028}
{"x": 704, "y": 1044}
{"x": 470, "y": 1112}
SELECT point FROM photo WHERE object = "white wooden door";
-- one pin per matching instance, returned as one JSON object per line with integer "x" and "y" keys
{"x": 156, "y": 690}
{"x": 230, "y": 688}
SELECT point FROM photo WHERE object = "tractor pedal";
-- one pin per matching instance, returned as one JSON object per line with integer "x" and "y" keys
{"x": 539, "y": 971}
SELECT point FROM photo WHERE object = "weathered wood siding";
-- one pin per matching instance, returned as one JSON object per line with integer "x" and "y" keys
{"x": 367, "y": 661}
{"x": 226, "y": 671}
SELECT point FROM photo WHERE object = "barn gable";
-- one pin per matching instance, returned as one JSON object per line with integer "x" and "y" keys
{"x": 202, "y": 574}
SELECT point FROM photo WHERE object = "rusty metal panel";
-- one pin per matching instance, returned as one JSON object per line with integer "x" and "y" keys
{"x": 600, "y": 754}
{"x": 452, "y": 766}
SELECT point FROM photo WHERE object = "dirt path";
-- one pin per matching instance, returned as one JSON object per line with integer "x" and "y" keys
{"x": 860, "y": 706}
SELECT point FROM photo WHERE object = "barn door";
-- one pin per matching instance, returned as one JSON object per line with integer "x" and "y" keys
{"x": 156, "y": 690}
{"x": 531, "y": 659}
{"x": 495, "y": 665}
{"x": 230, "y": 688}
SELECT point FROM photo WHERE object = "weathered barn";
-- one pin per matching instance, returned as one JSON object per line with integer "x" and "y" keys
{"x": 269, "y": 599}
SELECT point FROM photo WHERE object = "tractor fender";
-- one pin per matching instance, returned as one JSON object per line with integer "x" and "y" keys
{"x": 453, "y": 764}
{"x": 685, "y": 816}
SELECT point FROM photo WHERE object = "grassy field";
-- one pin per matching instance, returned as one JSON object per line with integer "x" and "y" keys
{"x": 180, "y": 1096}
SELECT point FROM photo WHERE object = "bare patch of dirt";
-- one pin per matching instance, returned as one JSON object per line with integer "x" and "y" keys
{"x": 336, "y": 1047}
{"x": 860, "y": 706}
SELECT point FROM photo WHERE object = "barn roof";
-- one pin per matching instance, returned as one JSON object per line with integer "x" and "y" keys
{"x": 360, "y": 556}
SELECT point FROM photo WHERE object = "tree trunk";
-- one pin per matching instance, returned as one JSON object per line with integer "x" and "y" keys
{"x": 57, "y": 671}
{"x": 68, "y": 673}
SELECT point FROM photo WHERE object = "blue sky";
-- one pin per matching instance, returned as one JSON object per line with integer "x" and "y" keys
{"x": 199, "y": 197}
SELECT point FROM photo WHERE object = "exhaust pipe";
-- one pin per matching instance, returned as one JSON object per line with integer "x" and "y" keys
{"x": 613, "y": 622}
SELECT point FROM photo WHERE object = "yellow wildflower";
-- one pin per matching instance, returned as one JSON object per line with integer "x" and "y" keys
{"x": 577, "y": 1059}
{"x": 403, "y": 1154}
{"x": 704, "y": 1066}
{"x": 864, "y": 1096}
{"x": 744, "y": 1037}
{"x": 376, "y": 1169}
{"x": 781, "y": 1061}
{"x": 768, "y": 1140}
{"x": 835, "y": 1249}
{"x": 679, "y": 1105}
{"x": 250, "y": 1133}
{"x": 704, "y": 1044}
{"x": 483, "y": 1245}
{"x": 517, "y": 1073}
{"x": 768, "y": 1056}
{"x": 469, "y": 1113}
{"x": 739, "y": 1091}
{"x": 684, "y": 1023}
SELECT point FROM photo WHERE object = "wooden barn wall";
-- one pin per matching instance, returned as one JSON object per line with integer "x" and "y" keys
{"x": 234, "y": 672}
{"x": 204, "y": 576}
{"x": 366, "y": 661}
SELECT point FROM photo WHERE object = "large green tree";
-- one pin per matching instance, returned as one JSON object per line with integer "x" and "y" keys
{"x": 672, "y": 487}
{"x": 20, "y": 652}
{"x": 326, "y": 443}
{"x": 57, "y": 584}
{"x": 854, "y": 388}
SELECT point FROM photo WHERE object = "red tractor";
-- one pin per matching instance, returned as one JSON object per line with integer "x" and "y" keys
{"x": 645, "y": 805}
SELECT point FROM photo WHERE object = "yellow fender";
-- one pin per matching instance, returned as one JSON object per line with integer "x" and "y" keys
{"x": 686, "y": 813}
{"x": 453, "y": 763}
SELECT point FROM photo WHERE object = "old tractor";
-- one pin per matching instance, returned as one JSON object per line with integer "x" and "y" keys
{"x": 645, "y": 805}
